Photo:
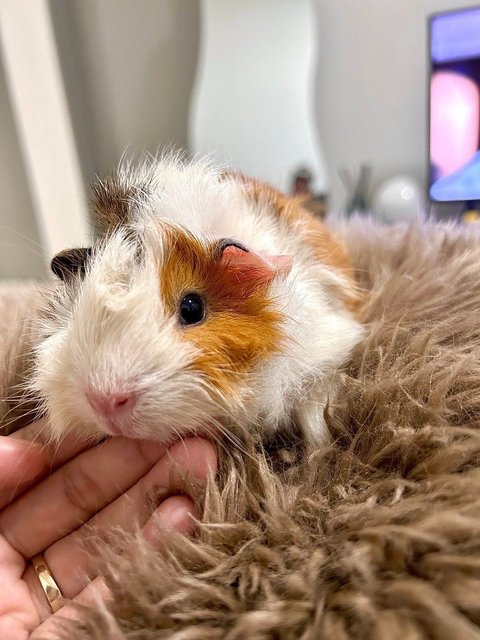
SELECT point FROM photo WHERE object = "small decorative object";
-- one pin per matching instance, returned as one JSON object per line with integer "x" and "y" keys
{"x": 302, "y": 182}
{"x": 302, "y": 186}
{"x": 357, "y": 186}
{"x": 397, "y": 199}
{"x": 472, "y": 213}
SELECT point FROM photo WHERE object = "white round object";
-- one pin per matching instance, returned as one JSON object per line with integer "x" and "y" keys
{"x": 397, "y": 199}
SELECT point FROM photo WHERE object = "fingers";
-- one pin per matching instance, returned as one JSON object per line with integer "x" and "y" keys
{"x": 193, "y": 456}
{"x": 75, "y": 492}
{"x": 25, "y": 459}
{"x": 56, "y": 453}
{"x": 96, "y": 592}
{"x": 174, "y": 513}
{"x": 112, "y": 484}
{"x": 20, "y": 464}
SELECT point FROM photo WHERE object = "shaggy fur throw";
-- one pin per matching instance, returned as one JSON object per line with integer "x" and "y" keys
{"x": 376, "y": 537}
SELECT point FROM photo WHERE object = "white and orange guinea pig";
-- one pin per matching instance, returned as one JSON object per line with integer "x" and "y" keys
{"x": 211, "y": 304}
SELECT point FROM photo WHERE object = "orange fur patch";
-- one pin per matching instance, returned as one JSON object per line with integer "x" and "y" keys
{"x": 240, "y": 325}
{"x": 326, "y": 249}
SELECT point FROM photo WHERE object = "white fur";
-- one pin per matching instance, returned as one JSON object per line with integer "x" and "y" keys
{"x": 112, "y": 329}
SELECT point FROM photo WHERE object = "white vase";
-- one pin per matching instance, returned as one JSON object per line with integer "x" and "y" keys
{"x": 397, "y": 199}
{"x": 252, "y": 105}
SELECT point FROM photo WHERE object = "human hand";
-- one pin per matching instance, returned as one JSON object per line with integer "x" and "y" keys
{"x": 107, "y": 486}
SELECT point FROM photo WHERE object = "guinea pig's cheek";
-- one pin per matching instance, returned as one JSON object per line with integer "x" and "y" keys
{"x": 230, "y": 345}
{"x": 211, "y": 366}
{"x": 51, "y": 370}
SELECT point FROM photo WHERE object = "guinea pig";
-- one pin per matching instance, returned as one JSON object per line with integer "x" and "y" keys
{"x": 210, "y": 304}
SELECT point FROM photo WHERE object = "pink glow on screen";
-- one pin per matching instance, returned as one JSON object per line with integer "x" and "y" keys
{"x": 455, "y": 121}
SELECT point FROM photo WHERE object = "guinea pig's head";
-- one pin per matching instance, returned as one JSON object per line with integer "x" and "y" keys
{"x": 155, "y": 331}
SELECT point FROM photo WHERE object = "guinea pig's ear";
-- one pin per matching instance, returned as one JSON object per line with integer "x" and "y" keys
{"x": 248, "y": 266}
{"x": 71, "y": 262}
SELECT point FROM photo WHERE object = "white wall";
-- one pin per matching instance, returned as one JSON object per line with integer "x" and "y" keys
{"x": 372, "y": 85}
{"x": 20, "y": 251}
{"x": 43, "y": 124}
{"x": 129, "y": 67}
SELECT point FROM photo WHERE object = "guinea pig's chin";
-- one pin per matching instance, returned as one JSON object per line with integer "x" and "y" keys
{"x": 138, "y": 431}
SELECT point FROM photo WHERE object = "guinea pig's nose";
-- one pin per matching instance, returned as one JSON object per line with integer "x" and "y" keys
{"x": 112, "y": 404}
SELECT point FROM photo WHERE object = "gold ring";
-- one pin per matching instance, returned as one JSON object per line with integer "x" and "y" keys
{"x": 47, "y": 582}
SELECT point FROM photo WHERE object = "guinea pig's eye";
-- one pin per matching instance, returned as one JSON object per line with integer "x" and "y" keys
{"x": 192, "y": 309}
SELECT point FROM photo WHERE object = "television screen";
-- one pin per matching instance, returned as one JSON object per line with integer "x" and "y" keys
{"x": 455, "y": 106}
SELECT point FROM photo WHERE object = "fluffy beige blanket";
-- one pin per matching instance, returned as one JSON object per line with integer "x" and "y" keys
{"x": 376, "y": 537}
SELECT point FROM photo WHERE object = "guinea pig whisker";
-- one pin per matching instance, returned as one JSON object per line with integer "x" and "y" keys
{"x": 213, "y": 426}
{"x": 7, "y": 423}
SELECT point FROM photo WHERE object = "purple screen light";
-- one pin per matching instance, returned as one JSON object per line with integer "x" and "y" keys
{"x": 456, "y": 36}
{"x": 455, "y": 106}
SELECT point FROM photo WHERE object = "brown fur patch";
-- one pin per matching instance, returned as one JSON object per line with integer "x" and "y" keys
{"x": 113, "y": 198}
{"x": 240, "y": 325}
